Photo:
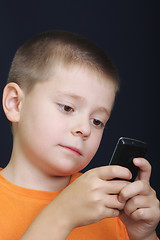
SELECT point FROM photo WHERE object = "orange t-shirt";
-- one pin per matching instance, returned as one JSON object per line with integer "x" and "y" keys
{"x": 19, "y": 206}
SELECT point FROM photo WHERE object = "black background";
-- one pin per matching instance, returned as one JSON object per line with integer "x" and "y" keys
{"x": 129, "y": 31}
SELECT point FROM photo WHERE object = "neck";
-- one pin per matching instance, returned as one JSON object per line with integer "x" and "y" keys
{"x": 28, "y": 176}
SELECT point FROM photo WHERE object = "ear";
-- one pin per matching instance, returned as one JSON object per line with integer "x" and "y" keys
{"x": 12, "y": 101}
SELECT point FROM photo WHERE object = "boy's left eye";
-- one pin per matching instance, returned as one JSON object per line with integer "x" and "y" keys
{"x": 66, "y": 108}
{"x": 97, "y": 123}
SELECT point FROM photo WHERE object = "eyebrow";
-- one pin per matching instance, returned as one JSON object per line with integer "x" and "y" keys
{"x": 106, "y": 111}
{"x": 82, "y": 99}
{"x": 72, "y": 95}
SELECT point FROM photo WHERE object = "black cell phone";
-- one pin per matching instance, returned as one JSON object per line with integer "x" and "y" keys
{"x": 125, "y": 151}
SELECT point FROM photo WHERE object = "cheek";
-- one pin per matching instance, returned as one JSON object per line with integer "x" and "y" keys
{"x": 50, "y": 129}
{"x": 41, "y": 134}
{"x": 94, "y": 144}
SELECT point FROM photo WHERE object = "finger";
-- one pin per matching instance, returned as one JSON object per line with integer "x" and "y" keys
{"x": 144, "y": 169}
{"x": 111, "y": 213}
{"x": 111, "y": 172}
{"x": 145, "y": 214}
{"x": 135, "y": 188}
{"x": 111, "y": 201}
{"x": 136, "y": 203}
{"x": 115, "y": 186}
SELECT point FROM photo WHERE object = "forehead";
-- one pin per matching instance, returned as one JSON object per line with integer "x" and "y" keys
{"x": 84, "y": 84}
{"x": 78, "y": 75}
{"x": 81, "y": 84}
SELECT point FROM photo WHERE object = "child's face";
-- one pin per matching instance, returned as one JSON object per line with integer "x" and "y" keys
{"x": 62, "y": 120}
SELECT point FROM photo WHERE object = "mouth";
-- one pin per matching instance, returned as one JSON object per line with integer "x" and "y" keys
{"x": 73, "y": 150}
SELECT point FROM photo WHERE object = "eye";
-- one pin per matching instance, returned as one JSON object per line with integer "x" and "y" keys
{"x": 66, "y": 108}
{"x": 97, "y": 123}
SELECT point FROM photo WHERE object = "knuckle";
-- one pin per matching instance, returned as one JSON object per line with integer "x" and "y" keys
{"x": 126, "y": 210}
{"x": 100, "y": 212}
{"x": 157, "y": 204}
{"x": 120, "y": 206}
{"x": 140, "y": 213}
{"x": 123, "y": 194}
{"x": 115, "y": 213}
{"x": 154, "y": 193}
{"x": 142, "y": 185}
{"x": 90, "y": 173}
{"x": 113, "y": 171}
{"x": 90, "y": 176}
{"x": 135, "y": 201}
{"x": 95, "y": 198}
{"x": 112, "y": 213}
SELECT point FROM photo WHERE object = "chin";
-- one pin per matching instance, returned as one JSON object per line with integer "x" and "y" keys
{"x": 67, "y": 171}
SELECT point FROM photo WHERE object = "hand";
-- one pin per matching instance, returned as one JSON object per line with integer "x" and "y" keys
{"x": 92, "y": 196}
{"x": 141, "y": 212}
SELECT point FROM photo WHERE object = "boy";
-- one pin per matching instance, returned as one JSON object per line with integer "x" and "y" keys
{"x": 60, "y": 93}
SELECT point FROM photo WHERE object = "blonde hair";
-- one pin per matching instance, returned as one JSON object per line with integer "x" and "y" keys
{"x": 36, "y": 60}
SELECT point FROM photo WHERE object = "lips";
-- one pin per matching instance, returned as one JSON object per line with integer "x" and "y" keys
{"x": 72, "y": 149}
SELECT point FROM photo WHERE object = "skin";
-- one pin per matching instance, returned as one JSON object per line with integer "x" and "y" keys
{"x": 57, "y": 130}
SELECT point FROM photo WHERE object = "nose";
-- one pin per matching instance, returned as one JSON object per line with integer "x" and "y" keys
{"x": 82, "y": 128}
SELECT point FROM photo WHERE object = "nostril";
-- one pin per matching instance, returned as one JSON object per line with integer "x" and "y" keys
{"x": 78, "y": 132}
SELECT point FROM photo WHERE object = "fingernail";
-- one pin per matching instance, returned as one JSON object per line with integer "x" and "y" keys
{"x": 137, "y": 160}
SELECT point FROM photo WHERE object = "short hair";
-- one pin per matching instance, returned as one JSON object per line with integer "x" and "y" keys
{"x": 36, "y": 59}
